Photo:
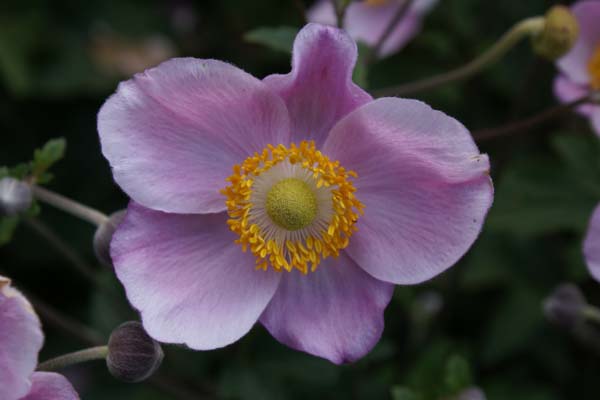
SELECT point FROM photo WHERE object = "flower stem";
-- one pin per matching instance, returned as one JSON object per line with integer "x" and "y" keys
{"x": 592, "y": 314}
{"x": 70, "y": 206}
{"x": 75, "y": 260}
{"x": 526, "y": 28}
{"x": 530, "y": 122}
{"x": 340, "y": 7}
{"x": 67, "y": 360}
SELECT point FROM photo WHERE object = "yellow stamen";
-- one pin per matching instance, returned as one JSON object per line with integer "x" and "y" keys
{"x": 594, "y": 69}
{"x": 292, "y": 206}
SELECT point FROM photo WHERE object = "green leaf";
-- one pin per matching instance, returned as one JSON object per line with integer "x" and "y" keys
{"x": 278, "y": 39}
{"x": 360, "y": 73}
{"x": 44, "y": 158}
{"x": 403, "y": 393}
{"x": 7, "y": 228}
{"x": 458, "y": 374}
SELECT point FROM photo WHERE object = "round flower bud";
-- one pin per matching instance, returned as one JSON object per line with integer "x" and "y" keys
{"x": 133, "y": 355}
{"x": 560, "y": 33}
{"x": 565, "y": 305}
{"x": 103, "y": 237}
{"x": 15, "y": 196}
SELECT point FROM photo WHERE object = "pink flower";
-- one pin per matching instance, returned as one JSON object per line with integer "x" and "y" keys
{"x": 21, "y": 339}
{"x": 366, "y": 21}
{"x": 333, "y": 196}
{"x": 591, "y": 245}
{"x": 580, "y": 68}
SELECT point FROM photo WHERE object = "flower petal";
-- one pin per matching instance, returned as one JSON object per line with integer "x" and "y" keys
{"x": 173, "y": 133}
{"x": 190, "y": 281}
{"x": 21, "y": 339}
{"x": 425, "y": 186}
{"x": 319, "y": 90}
{"x": 335, "y": 312}
{"x": 568, "y": 91}
{"x": 574, "y": 64}
{"x": 50, "y": 386}
{"x": 591, "y": 245}
{"x": 366, "y": 23}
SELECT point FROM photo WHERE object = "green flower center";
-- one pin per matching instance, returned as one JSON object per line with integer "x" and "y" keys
{"x": 291, "y": 204}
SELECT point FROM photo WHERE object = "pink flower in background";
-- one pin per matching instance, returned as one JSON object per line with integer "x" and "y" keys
{"x": 591, "y": 245}
{"x": 297, "y": 201}
{"x": 580, "y": 68}
{"x": 366, "y": 21}
{"x": 21, "y": 339}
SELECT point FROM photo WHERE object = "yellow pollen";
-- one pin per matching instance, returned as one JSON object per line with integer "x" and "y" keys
{"x": 594, "y": 69}
{"x": 293, "y": 208}
{"x": 291, "y": 204}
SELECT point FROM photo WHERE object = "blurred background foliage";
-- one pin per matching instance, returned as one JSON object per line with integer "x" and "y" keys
{"x": 479, "y": 324}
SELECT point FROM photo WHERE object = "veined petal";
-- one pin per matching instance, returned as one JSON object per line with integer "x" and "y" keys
{"x": 188, "y": 279}
{"x": 319, "y": 90}
{"x": 425, "y": 187}
{"x": 575, "y": 63}
{"x": 21, "y": 339}
{"x": 50, "y": 386}
{"x": 335, "y": 312}
{"x": 172, "y": 133}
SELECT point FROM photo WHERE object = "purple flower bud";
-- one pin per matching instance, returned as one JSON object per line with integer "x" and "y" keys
{"x": 103, "y": 237}
{"x": 565, "y": 305}
{"x": 15, "y": 196}
{"x": 133, "y": 355}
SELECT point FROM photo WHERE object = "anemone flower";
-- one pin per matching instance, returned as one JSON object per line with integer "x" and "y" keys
{"x": 366, "y": 21}
{"x": 580, "y": 68}
{"x": 297, "y": 201}
{"x": 21, "y": 339}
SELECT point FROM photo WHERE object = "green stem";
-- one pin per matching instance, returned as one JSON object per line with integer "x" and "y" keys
{"x": 70, "y": 206}
{"x": 527, "y": 28}
{"x": 530, "y": 122}
{"x": 67, "y": 360}
{"x": 592, "y": 314}
{"x": 340, "y": 7}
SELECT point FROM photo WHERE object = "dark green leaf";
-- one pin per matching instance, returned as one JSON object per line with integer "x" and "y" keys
{"x": 458, "y": 374}
{"x": 278, "y": 39}
{"x": 7, "y": 228}
{"x": 402, "y": 393}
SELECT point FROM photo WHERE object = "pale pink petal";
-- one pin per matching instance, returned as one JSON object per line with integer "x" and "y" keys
{"x": 424, "y": 183}
{"x": 173, "y": 133}
{"x": 595, "y": 118}
{"x": 187, "y": 277}
{"x": 591, "y": 245}
{"x": 335, "y": 312}
{"x": 21, "y": 339}
{"x": 50, "y": 386}
{"x": 319, "y": 90}
{"x": 568, "y": 91}
{"x": 575, "y": 63}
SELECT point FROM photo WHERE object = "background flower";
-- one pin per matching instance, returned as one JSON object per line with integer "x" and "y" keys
{"x": 21, "y": 339}
{"x": 366, "y": 21}
{"x": 580, "y": 68}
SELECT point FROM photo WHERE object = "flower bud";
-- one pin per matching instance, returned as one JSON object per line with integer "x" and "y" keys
{"x": 15, "y": 196}
{"x": 103, "y": 237}
{"x": 565, "y": 306}
{"x": 560, "y": 33}
{"x": 133, "y": 355}
{"x": 472, "y": 393}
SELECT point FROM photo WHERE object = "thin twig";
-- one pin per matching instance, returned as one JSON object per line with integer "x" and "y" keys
{"x": 398, "y": 16}
{"x": 75, "y": 260}
{"x": 530, "y": 122}
{"x": 70, "y": 206}
{"x": 522, "y": 29}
